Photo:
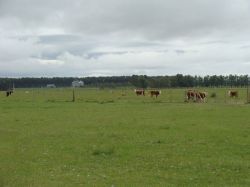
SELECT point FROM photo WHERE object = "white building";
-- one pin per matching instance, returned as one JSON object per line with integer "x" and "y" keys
{"x": 77, "y": 83}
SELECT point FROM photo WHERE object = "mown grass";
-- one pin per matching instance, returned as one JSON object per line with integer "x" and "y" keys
{"x": 114, "y": 138}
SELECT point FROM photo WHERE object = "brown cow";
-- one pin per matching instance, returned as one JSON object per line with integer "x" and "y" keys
{"x": 203, "y": 95}
{"x": 233, "y": 93}
{"x": 190, "y": 94}
{"x": 140, "y": 92}
{"x": 196, "y": 95}
{"x": 155, "y": 93}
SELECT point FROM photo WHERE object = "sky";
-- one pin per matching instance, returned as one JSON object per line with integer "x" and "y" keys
{"x": 61, "y": 38}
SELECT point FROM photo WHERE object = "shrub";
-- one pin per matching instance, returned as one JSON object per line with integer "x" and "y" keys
{"x": 213, "y": 95}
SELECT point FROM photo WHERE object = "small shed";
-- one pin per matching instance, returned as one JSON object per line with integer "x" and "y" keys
{"x": 51, "y": 86}
{"x": 77, "y": 83}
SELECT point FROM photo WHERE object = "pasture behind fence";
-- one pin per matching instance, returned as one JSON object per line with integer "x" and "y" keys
{"x": 171, "y": 95}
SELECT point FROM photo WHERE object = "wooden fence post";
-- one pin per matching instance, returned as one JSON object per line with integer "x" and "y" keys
{"x": 73, "y": 95}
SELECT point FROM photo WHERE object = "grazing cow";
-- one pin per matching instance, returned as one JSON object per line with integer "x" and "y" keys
{"x": 155, "y": 93}
{"x": 190, "y": 94}
{"x": 9, "y": 92}
{"x": 140, "y": 92}
{"x": 233, "y": 93}
{"x": 203, "y": 95}
{"x": 195, "y": 95}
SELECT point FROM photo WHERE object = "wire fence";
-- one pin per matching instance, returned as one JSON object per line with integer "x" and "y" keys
{"x": 171, "y": 95}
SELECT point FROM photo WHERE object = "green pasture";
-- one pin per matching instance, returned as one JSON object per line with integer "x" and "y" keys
{"x": 120, "y": 95}
{"x": 111, "y": 137}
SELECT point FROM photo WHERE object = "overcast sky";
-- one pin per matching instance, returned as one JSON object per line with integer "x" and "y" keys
{"x": 124, "y": 37}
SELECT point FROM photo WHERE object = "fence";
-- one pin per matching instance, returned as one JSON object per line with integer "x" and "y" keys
{"x": 215, "y": 95}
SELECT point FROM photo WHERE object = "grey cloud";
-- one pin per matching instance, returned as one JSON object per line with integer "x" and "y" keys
{"x": 47, "y": 56}
{"x": 54, "y": 45}
{"x": 120, "y": 37}
{"x": 159, "y": 19}
{"x": 140, "y": 44}
{"x": 60, "y": 38}
{"x": 98, "y": 54}
{"x": 179, "y": 51}
{"x": 245, "y": 47}
{"x": 214, "y": 42}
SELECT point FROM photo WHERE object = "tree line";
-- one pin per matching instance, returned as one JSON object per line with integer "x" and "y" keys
{"x": 139, "y": 81}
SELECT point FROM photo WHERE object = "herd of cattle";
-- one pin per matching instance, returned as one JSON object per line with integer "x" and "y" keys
{"x": 196, "y": 96}
{"x": 152, "y": 93}
{"x": 190, "y": 95}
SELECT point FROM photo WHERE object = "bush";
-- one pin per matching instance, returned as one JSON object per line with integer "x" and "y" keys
{"x": 213, "y": 95}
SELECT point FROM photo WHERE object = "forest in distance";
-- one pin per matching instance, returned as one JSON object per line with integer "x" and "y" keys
{"x": 139, "y": 81}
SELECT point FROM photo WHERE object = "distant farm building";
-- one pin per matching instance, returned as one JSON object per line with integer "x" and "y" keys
{"x": 77, "y": 83}
{"x": 51, "y": 86}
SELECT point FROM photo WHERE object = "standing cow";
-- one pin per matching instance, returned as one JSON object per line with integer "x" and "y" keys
{"x": 203, "y": 96}
{"x": 196, "y": 96}
{"x": 233, "y": 93}
{"x": 140, "y": 92}
{"x": 155, "y": 93}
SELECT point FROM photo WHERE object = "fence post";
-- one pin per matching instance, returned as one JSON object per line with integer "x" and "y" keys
{"x": 73, "y": 95}
{"x": 225, "y": 95}
{"x": 248, "y": 89}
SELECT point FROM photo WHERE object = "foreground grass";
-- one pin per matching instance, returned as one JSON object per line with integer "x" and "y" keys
{"x": 105, "y": 140}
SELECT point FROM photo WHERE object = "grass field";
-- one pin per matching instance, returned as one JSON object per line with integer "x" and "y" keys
{"x": 114, "y": 138}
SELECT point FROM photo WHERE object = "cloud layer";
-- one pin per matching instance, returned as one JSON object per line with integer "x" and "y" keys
{"x": 117, "y": 37}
